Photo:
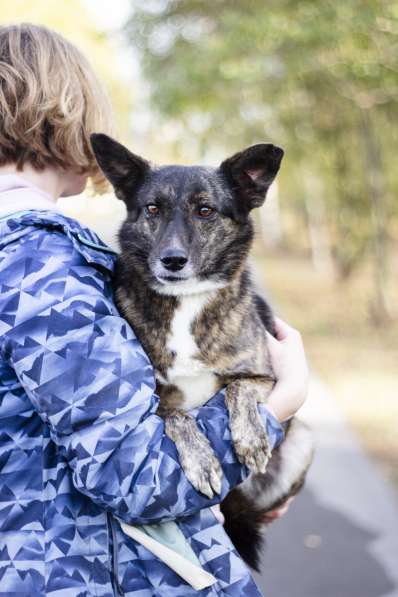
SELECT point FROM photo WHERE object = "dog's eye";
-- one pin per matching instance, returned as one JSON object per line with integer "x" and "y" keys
{"x": 204, "y": 211}
{"x": 152, "y": 209}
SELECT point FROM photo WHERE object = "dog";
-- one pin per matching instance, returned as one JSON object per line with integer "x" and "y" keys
{"x": 182, "y": 281}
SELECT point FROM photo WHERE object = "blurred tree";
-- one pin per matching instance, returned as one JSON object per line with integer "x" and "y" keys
{"x": 320, "y": 78}
{"x": 72, "y": 20}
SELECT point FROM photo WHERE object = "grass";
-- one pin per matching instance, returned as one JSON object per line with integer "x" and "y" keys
{"x": 358, "y": 361}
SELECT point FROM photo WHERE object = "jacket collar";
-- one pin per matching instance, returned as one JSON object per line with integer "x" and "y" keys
{"x": 85, "y": 241}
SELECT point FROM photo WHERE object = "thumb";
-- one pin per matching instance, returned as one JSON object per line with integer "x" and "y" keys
{"x": 273, "y": 344}
{"x": 270, "y": 338}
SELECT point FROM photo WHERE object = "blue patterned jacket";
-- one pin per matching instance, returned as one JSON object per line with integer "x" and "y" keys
{"x": 80, "y": 438}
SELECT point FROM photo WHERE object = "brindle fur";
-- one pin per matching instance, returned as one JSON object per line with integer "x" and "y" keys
{"x": 231, "y": 341}
{"x": 229, "y": 331}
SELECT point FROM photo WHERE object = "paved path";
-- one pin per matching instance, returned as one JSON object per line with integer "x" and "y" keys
{"x": 340, "y": 537}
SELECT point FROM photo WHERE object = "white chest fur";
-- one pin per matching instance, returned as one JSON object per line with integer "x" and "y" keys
{"x": 196, "y": 380}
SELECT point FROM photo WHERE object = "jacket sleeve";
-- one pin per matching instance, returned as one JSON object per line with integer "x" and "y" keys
{"x": 92, "y": 384}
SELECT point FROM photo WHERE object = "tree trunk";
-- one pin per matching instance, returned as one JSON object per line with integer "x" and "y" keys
{"x": 379, "y": 302}
{"x": 321, "y": 254}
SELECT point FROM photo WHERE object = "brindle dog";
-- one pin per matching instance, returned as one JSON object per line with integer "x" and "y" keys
{"x": 182, "y": 281}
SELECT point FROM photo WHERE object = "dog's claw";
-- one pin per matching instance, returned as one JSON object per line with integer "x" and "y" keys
{"x": 216, "y": 480}
{"x": 207, "y": 481}
{"x": 206, "y": 489}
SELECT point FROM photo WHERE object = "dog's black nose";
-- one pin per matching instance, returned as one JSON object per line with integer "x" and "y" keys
{"x": 174, "y": 259}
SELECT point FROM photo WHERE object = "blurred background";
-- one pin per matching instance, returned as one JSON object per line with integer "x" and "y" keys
{"x": 195, "y": 81}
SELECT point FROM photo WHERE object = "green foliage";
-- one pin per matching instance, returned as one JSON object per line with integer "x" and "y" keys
{"x": 320, "y": 78}
{"x": 239, "y": 58}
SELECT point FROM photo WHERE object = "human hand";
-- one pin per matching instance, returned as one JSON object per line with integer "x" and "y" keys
{"x": 277, "y": 512}
{"x": 268, "y": 517}
{"x": 291, "y": 371}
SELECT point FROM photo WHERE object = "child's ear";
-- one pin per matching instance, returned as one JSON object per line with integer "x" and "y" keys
{"x": 250, "y": 173}
{"x": 124, "y": 170}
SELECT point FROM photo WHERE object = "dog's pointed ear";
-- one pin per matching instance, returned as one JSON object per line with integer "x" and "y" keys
{"x": 250, "y": 173}
{"x": 124, "y": 170}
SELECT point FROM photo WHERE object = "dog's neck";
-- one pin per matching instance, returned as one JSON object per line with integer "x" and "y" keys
{"x": 165, "y": 298}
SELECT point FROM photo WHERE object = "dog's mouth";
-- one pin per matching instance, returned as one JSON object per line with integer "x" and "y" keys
{"x": 172, "y": 279}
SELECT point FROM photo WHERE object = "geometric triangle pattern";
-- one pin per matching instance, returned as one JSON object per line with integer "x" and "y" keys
{"x": 80, "y": 441}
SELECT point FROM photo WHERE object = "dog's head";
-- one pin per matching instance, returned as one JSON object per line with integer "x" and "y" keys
{"x": 188, "y": 229}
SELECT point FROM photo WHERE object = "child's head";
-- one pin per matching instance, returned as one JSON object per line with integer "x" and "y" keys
{"x": 50, "y": 103}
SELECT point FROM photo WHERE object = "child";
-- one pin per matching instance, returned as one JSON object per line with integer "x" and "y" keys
{"x": 81, "y": 445}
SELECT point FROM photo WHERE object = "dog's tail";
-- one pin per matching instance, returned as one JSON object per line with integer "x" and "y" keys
{"x": 245, "y": 507}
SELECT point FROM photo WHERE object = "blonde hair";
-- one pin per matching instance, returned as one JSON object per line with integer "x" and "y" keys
{"x": 50, "y": 102}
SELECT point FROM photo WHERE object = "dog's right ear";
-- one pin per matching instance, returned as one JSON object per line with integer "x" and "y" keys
{"x": 124, "y": 170}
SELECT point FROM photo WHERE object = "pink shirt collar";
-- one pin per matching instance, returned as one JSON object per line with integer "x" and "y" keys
{"x": 18, "y": 194}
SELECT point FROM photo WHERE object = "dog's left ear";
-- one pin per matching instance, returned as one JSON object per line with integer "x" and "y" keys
{"x": 250, "y": 173}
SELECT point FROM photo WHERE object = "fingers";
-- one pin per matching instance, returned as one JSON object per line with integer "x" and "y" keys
{"x": 272, "y": 341}
{"x": 289, "y": 364}
{"x": 277, "y": 512}
{"x": 284, "y": 331}
{"x": 217, "y": 513}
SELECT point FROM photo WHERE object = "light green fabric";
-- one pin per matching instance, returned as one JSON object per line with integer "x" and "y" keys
{"x": 169, "y": 534}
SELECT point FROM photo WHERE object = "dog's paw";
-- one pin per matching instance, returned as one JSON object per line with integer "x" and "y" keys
{"x": 251, "y": 443}
{"x": 196, "y": 455}
{"x": 203, "y": 470}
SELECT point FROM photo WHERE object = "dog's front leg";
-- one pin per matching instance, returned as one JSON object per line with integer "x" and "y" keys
{"x": 248, "y": 433}
{"x": 197, "y": 458}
